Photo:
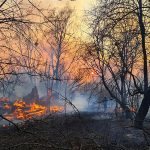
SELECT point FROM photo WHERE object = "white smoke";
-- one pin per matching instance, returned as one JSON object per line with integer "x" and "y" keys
{"x": 79, "y": 101}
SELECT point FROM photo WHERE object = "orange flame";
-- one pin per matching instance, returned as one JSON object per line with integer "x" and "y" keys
{"x": 25, "y": 111}
{"x": 7, "y": 106}
{"x": 56, "y": 108}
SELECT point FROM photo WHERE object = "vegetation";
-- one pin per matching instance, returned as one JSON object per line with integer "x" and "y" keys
{"x": 41, "y": 48}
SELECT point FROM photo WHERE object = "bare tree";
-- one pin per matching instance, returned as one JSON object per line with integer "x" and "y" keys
{"x": 59, "y": 51}
{"x": 117, "y": 40}
{"x": 18, "y": 38}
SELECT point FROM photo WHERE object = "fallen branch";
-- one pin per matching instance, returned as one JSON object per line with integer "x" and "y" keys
{"x": 10, "y": 122}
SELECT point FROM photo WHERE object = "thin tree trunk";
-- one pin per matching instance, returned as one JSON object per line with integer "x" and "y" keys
{"x": 122, "y": 104}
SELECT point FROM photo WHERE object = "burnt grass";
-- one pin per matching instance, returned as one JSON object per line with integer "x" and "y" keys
{"x": 75, "y": 132}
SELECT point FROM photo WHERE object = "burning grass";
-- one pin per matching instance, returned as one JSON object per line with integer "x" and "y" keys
{"x": 22, "y": 111}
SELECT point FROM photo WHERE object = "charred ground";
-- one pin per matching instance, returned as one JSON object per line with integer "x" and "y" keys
{"x": 87, "y": 131}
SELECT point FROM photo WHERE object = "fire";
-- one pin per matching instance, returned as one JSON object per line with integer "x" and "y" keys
{"x": 7, "y": 106}
{"x": 56, "y": 108}
{"x": 23, "y": 111}
{"x": 35, "y": 110}
{"x": 19, "y": 112}
{"x": 19, "y": 104}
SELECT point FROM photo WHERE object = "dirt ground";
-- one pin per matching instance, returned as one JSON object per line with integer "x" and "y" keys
{"x": 75, "y": 132}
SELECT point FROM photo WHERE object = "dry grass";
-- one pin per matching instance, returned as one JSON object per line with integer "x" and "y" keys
{"x": 60, "y": 132}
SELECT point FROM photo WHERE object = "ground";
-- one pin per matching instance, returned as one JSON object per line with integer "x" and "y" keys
{"x": 87, "y": 131}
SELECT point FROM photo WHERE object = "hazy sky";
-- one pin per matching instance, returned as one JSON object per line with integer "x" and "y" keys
{"x": 78, "y": 5}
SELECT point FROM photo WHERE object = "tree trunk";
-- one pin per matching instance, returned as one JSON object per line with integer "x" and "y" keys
{"x": 138, "y": 123}
{"x": 142, "y": 29}
{"x": 145, "y": 102}
{"x": 128, "y": 113}
{"x": 123, "y": 105}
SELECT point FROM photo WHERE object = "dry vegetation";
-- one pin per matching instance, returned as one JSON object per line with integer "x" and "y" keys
{"x": 74, "y": 132}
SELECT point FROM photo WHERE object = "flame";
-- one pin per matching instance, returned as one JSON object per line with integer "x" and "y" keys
{"x": 23, "y": 111}
{"x": 56, "y": 108}
{"x": 35, "y": 110}
{"x": 19, "y": 104}
{"x": 7, "y": 106}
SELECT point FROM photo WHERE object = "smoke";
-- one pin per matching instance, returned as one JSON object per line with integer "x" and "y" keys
{"x": 79, "y": 101}
{"x": 26, "y": 87}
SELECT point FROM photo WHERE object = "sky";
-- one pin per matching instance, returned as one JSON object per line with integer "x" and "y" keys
{"x": 79, "y": 7}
